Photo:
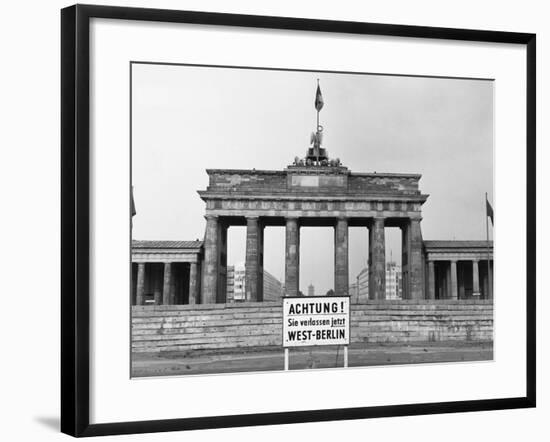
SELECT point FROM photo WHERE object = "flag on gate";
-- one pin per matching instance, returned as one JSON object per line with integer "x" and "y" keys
{"x": 490, "y": 212}
{"x": 319, "y": 99}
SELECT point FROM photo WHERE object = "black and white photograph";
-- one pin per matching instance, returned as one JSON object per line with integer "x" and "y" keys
{"x": 275, "y": 221}
{"x": 299, "y": 220}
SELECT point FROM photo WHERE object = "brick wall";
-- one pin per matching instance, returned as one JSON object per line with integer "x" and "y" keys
{"x": 223, "y": 326}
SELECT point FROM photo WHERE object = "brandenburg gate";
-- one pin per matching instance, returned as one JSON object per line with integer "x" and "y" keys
{"x": 313, "y": 191}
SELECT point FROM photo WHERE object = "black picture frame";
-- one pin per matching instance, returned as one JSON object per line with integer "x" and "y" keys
{"x": 75, "y": 225}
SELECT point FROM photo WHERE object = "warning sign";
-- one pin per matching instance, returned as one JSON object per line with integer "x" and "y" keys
{"x": 322, "y": 320}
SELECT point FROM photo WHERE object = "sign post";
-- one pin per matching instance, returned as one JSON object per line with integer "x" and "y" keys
{"x": 314, "y": 321}
{"x": 286, "y": 359}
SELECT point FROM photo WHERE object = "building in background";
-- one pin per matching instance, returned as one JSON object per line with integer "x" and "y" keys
{"x": 362, "y": 282}
{"x": 235, "y": 283}
{"x": 354, "y": 293}
{"x": 236, "y": 289}
{"x": 311, "y": 290}
{"x": 394, "y": 277}
{"x": 394, "y": 284}
{"x": 273, "y": 288}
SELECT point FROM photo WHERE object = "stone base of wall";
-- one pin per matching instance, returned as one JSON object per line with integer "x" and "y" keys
{"x": 180, "y": 328}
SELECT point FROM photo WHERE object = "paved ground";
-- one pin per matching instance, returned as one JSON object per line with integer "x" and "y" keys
{"x": 264, "y": 359}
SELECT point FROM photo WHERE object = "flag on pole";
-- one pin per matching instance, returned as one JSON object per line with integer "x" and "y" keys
{"x": 490, "y": 212}
{"x": 132, "y": 205}
{"x": 319, "y": 99}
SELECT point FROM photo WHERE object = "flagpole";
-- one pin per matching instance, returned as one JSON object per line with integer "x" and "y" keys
{"x": 317, "y": 128}
{"x": 489, "y": 279}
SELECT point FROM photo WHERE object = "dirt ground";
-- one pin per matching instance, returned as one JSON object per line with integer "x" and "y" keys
{"x": 267, "y": 359}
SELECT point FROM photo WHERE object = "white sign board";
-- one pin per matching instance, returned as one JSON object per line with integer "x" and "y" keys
{"x": 315, "y": 320}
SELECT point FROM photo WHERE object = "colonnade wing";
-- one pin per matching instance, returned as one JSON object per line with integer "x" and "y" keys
{"x": 166, "y": 272}
{"x": 459, "y": 269}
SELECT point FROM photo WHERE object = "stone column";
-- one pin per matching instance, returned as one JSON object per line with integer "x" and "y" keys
{"x": 211, "y": 256}
{"x": 341, "y": 263}
{"x": 460, "y": 277}
{"x": 416, "y": 289}
{"x": 431, "y": 280}
{"x": 157, "y": 284}
{"x": 260, "y": 262}
{"x": 475, "y": 274}
{"x": 140, "y": 286}
{"x": 292, "y": 257}
{"x": 454, "y": 281}
{"x": 484, "y": 286}
{"x": 167, "y": 285}
{"x": 377, "y": 260}
{"x": 221, "y": 295}
{"x": 193, "y": 283}
{"x": 405, "y": 245}
{"x": 448, "y": 290}
{"x": 252, "y": 259}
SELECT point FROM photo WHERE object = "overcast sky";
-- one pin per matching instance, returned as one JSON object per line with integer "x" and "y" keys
{"x": 187, "y": 119}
